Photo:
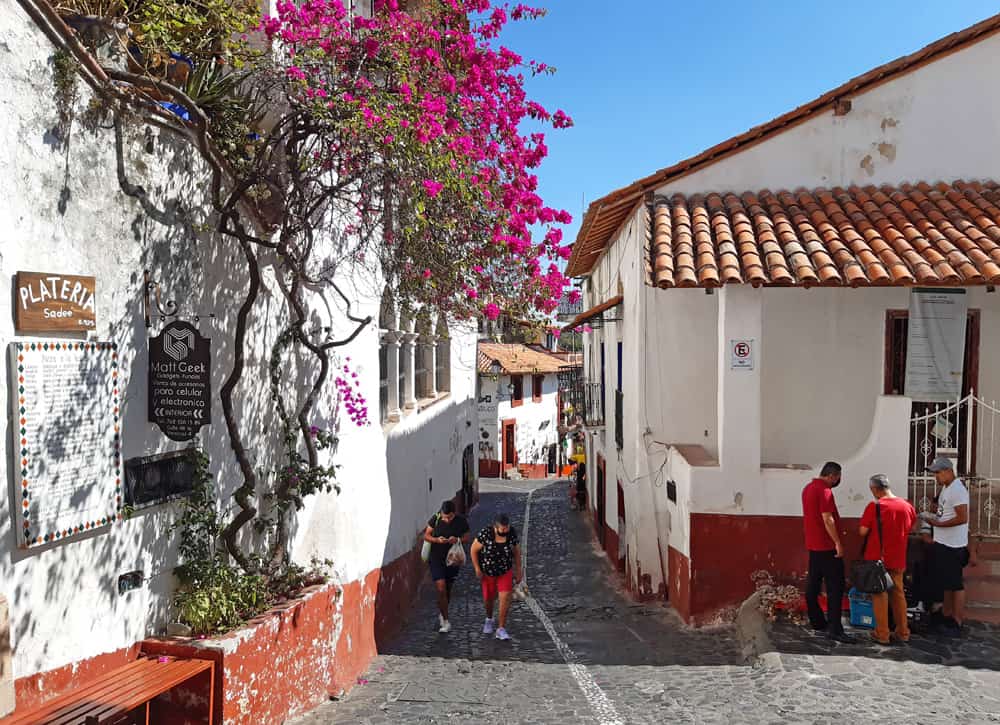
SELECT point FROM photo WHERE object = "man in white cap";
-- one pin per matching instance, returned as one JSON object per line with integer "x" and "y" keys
{"x": 951, "y": 542}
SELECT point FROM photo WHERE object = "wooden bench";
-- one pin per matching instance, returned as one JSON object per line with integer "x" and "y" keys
{"x": 111, "y": 697}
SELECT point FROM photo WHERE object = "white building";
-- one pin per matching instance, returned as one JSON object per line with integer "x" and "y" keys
{"x": 760, "y": 332}
{"x": 65, "y": 212}
{"x": 519, "y": 404}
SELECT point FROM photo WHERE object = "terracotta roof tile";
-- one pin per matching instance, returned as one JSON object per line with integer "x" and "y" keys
{"x": 517, "y": 359}
{"x": 605, "y": 215}
{"x": 911, "y": 235}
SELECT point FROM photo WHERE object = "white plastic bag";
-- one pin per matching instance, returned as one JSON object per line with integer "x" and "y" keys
{"x": 521, "y": 591}
{"x": 456, "y": 555}
{"x": 425, "y": 551}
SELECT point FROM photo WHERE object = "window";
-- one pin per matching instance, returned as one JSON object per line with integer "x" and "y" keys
{"x": 619, "y": 367}
{"x": 388, "y": 361}
{"x": 604, "y": 377}
{"x": 442, "y": 371}
{"x": 517, "y": 397}
{"x": 425, "y": 367}
{"x": 383, "y": 383}
{"x": 536, "y": 387}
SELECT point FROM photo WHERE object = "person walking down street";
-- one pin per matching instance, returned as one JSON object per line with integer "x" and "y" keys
{"x": 445, "y": 529}
{"x": 496, "y": 555}
{"x": 821, "y": 522}
{"x": 886, "y": 524}
{"x": 951, "y": 542}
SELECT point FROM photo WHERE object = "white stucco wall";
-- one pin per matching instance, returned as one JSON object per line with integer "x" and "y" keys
{"x": 64, "y": 212}
{"x": 906, "y": 129}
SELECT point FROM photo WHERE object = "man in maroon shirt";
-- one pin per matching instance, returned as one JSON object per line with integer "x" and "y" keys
{"x": 821, "y": 522}
{"x": 897, "y": 518}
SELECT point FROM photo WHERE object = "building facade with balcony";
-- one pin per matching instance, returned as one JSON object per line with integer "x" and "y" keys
{"x": 519, "y": 402}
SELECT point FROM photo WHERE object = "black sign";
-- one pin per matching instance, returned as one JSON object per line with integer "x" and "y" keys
{"x": 180, "y": 385}
{"x": 156, "y": 479}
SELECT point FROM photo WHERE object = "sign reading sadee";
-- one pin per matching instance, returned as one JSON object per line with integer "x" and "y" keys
{"x": 54, "y": 303}
{"x": 180, "y": 382}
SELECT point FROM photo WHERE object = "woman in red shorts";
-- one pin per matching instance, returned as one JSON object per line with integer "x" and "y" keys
{"x": 496, "y": 554}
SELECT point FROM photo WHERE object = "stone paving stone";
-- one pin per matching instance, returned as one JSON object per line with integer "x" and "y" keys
{"x": 651, "y": 667}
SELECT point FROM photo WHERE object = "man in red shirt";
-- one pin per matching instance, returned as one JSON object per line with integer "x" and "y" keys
{"x": 897, "y": 518}
{"x": 821, "y": 521}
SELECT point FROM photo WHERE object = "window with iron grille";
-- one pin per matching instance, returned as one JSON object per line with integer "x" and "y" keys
{"x": 537, "y": 382}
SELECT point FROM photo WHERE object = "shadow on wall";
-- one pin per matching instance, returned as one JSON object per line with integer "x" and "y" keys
{"x": 66, "y": 592}
{"x": 425, "y": 467}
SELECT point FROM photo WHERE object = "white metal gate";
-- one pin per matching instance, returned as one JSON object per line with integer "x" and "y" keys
{"x": 968, "y": 432}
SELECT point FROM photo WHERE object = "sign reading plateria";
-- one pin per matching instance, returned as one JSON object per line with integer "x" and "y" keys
{"x": 180, "y": 382}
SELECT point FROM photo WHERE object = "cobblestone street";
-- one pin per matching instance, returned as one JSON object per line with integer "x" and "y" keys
{"x": 587, "y": 654}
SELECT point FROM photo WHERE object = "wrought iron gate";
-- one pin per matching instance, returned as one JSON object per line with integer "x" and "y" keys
{"x": 968, "y": 432}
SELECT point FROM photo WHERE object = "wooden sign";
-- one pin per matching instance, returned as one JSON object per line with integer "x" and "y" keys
{"x": 54, "y": 303}
{"x": 66, "y": 435}
{"x": 180, "y": 381}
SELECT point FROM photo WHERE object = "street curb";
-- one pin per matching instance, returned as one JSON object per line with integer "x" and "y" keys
{"x": 752, "y": 631}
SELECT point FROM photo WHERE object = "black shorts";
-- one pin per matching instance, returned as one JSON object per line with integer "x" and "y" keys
{"x": 441, "y": 571}
{"x": 948, "y": 565}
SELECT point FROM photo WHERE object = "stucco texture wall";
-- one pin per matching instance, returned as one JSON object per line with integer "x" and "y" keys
{"x": 65, "y": 211}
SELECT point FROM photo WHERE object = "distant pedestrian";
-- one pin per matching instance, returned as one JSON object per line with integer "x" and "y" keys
{"x": 581, "y": 486}
{"x": 951, "y": 542}
{"x": 445, "y": 529}
{"x": 821, "y": 521}
{"x": 496, "y": 555}
{"x": 886, "y": 523}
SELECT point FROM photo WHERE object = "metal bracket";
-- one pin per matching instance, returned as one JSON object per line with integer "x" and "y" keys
{"x": 152, "y": 295}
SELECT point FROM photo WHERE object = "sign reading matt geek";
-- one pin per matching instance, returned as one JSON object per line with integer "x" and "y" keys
{"x": 180, "y": 382}
{"x": 54, "y": 303}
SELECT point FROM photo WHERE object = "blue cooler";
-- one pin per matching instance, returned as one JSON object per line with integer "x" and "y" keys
{"x": 862, "y": 610}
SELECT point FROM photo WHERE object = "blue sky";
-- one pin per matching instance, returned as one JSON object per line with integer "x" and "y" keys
{"x": 651, "y": 82}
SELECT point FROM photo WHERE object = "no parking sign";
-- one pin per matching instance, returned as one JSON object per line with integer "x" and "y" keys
{"x": 741, "y": 354}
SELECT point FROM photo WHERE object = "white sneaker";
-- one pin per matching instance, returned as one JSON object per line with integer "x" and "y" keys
{"x": 488, "y": 626}
{"x": 502, "y": 634}
{"x": 445, "y": 626}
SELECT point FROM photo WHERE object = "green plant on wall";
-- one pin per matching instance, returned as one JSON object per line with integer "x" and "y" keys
{"x": 212, "y": 595}
{"x": 200, "y": 29}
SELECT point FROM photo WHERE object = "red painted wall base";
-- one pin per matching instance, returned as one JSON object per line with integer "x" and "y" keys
{"x": 281, "y": 664}
{"x": 727, "y": 550}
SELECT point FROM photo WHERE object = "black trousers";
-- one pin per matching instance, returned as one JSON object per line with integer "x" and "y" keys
{"x": 825, "y": 568}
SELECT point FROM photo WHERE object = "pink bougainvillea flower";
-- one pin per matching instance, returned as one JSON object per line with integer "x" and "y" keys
{"x": 491, "y": 311}
{"x": 433, "y": 188}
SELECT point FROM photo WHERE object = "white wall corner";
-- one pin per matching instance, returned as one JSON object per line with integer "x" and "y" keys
{"x": 739, "y": 402}
{"x": 886, "y": 451}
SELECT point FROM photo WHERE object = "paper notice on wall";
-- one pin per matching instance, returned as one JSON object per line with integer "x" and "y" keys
{"x": 935, "y": 347}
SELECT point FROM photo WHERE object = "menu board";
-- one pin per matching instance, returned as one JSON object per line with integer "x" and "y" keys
{"x": 935, "y": 345}
{"x": 65, "y": 403}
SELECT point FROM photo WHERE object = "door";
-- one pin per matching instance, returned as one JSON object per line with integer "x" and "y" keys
{"x": 509, "y": 451}
{"x": 600, "y": 510}
{"x": 952, "y": 431}
{"x": 622, "y": 530}
{"x": 469, "y": 481}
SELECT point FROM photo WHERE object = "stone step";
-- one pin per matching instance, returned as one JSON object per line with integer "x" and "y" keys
{"x": 980, "y": 613}
{"x": 985, "y": 568}
{"x": 983, "y": 589}
{"x": 989, "y": 549}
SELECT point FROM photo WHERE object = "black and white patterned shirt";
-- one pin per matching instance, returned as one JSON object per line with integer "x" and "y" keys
{"x": 496, "y": 559}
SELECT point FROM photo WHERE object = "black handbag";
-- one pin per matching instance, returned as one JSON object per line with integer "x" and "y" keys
{"x": 871, "y": 577}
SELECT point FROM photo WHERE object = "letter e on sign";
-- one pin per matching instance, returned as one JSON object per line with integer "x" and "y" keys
{"x": 741, "y": 354}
